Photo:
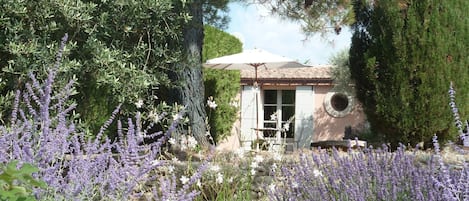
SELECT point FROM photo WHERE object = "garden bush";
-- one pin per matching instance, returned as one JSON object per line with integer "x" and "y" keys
{"x": 78, "y": 168}
{"x": 221, "y": 85}
{"x": 402, "y": 57}
{"x": 17, "y": 183}
{"x": 118, "y": 51}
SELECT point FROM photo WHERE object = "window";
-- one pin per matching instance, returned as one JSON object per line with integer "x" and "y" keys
{"x": 338, "y": 104}
{"x": 279, "y": 107}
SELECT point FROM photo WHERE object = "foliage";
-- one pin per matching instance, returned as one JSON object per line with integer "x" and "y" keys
{"x": 341, "y": 72}
{"x": 17, "y": 184}
{"x": 223, "y": 182}
{"x": 403, "y": 56}
{"x": 218, "y": 43}
{"x": 239, "y": 175}
{"x": 117, "y": 51}
{"x": 370, "y": 174}
{"x": 77, "y": 168}
{"x": 323, "y": 16}
{"x": 216, "y": 13}
{"x": 222, "y": 85}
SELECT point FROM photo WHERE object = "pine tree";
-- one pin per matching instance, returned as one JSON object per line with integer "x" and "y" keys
{"x": 404, "y": 55}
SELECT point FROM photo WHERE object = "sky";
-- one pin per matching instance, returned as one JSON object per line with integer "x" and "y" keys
{"x": 257, "y": 29}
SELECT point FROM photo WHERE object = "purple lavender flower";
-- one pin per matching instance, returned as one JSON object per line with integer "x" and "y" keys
{"x": 370, "y": 174}
{"x": 76, "y": 167}
{"x": 464, "y": 135}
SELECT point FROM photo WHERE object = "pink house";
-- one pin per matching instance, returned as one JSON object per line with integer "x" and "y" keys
{"x": 294, "y": 106}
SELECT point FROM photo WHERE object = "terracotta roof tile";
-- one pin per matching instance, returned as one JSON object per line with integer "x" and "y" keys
{"x": 310, "y": 72}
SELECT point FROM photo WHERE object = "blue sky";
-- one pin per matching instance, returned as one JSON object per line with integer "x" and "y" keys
{"x": 257, "y": 29}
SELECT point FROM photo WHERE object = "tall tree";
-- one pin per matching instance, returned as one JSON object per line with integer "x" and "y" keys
{"x": 216, "y": 13}
{"x": 187, "y": 74}
{"x": 189, "y": 89}
{"x": 403, "y": 57}
{"x": 116, "y": 49}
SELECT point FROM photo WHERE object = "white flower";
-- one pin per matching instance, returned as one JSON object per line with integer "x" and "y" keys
{"x": 174, "y": 159}
{"x": 183, "y": 143}
{"x": 240, "y": 152}
{"x": 184, "y": 179}
{"x": 253, "y": 172}
{"x": 211, "y": 103}
{"x": 277, "y": 156}
{"x": 286, "y": 126}
{"x": 191, "y": 142}
{"x": 254, "y": 165}
{"x": 172, "y": 141}
{"x": 273, "y": 116}
{"x": 272, "y": 187}
{"x": 177, "y": 117}
{"x": 215, "y": 168}
{"x": 295, "y": 184}
{"x": 317, "y": 173}
{"x": 258, "y": 158}
{"x": 199, "y": 184}
{"x": 219, "y": 178}
{"x": 230, "y": 180}
{"x": 154, "y": 116}
{"x": 139, "y": 103}
{"x": 274, "y": 167}
{"x": 171, "y": 169}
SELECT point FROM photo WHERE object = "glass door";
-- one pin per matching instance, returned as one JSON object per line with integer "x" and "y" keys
{"x": 279, "y": 110}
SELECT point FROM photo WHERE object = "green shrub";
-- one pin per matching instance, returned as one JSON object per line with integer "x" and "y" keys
{"x": 118, "y": 51}
{"x": 222, "y": 85}
{"x": 402, "y": 59}
{"x": 18, "y": 183}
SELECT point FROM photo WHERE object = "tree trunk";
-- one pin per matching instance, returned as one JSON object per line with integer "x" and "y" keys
{"x": 191, "y": 92}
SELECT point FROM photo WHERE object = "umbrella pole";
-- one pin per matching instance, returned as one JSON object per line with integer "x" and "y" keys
{"x": 256, "y": 85}
{"x": 257, "y": 114}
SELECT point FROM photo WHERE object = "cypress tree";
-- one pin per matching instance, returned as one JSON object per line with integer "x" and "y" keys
{"x": 222, "y": 85}
{"x": 404, "y": 55}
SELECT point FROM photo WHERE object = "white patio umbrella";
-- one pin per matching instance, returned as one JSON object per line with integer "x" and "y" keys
{"x": 253, "y": 58}
{"x": 249, "y": 59}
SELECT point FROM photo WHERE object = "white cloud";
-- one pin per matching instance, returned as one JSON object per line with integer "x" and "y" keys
{"x": 256, "y": 28}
